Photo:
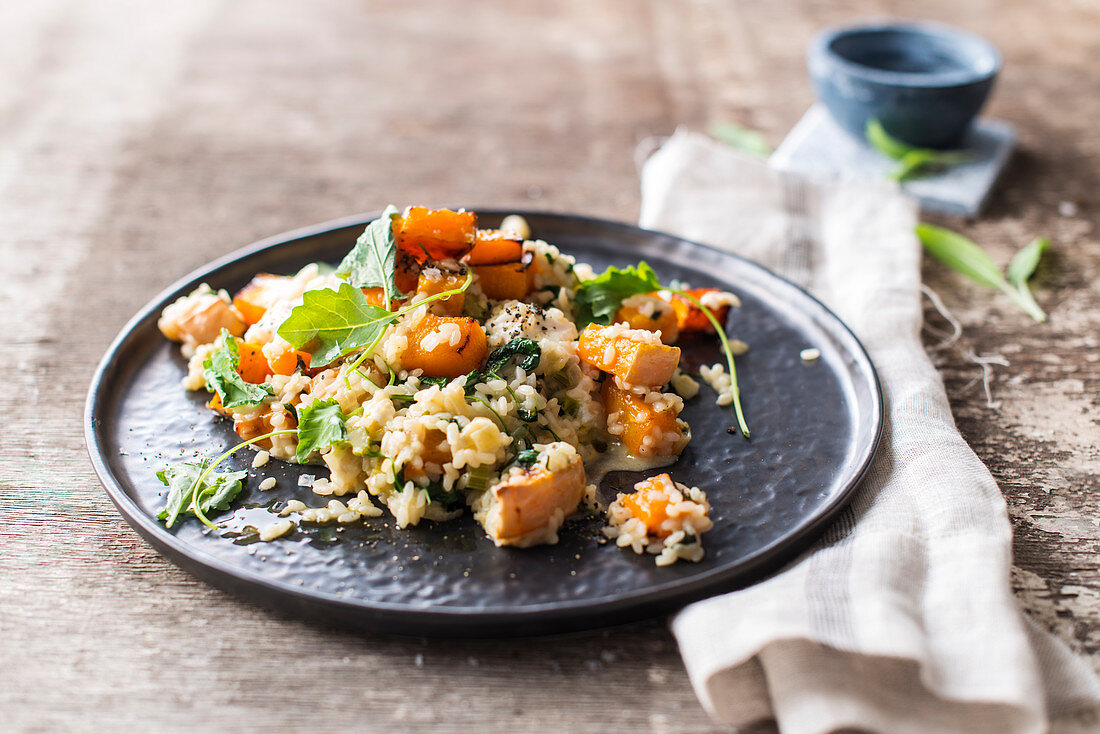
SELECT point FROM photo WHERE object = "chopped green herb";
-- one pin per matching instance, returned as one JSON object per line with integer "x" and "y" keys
{"x": 220, "y": 372}
{"x": 527, "y": 351}
{"x": 527, "y": 458}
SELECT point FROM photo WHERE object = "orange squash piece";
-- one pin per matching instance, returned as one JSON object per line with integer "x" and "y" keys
{"x": 430, "y": 349}
{"x": 507, "y": 281}
{"x": 260, "y": 294}
{"x": 663, "y": 319}
{"x": 495, "y": 247}
{"x": 526, "y": 502}
{"x": 634, "y": 362}
{"x": 444, "y": 281}
{"x": 435, "y": 234}
{"x": 690, "y": 317}
{"x": 288, "y": 362}
{"x": 639, "y": 420}
{"x": 253, "y": 366}
{"x": 649, "y": 504}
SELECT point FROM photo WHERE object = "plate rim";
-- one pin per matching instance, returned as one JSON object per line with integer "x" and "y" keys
{"x": 382, "y": 616}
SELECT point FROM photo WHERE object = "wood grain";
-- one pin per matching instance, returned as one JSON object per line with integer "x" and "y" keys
{"x": 140, "y": 140}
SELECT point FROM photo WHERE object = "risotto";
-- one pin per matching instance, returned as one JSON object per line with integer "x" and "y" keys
{"x": 441, "y": 369}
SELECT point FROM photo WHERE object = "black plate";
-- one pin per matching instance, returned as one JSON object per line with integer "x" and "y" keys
{"x": 814, "y": 426}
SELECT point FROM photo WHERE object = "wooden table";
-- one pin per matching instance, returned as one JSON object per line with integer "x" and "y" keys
{"x": 140, "y": 140}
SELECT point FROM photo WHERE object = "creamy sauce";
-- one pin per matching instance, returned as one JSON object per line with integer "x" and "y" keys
{"x": 616, "y": 458}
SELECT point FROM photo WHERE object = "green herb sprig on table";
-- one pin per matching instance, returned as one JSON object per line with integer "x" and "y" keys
{"x": 913, "y": 162}
{"x": 599, "y": 299}
{"x": 964, "y": 256}
{"x": 741, "y": 138}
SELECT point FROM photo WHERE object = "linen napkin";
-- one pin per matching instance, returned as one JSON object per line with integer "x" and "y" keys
{"x": 901, "y": 619}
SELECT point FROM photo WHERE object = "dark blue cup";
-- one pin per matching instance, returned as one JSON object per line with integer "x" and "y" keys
{"x": 924, "y": 82}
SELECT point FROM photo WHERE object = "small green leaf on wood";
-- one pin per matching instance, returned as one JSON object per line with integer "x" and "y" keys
{"x": 739, "y": 137}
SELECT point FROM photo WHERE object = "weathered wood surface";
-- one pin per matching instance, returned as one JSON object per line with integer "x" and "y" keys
{"x": 140, "y": 140}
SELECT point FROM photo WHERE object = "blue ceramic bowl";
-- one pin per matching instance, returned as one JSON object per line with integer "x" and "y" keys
{"x": 925, "y": 83}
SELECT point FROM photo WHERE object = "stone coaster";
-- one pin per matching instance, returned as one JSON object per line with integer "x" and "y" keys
{"x": 817, "y": 146}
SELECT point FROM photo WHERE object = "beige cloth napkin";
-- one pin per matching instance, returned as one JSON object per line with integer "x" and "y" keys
{"x": 901, "y": 619}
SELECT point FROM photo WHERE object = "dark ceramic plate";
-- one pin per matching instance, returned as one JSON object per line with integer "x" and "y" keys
{"x": 814, "y": 427}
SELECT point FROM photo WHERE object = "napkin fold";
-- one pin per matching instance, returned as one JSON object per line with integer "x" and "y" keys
{"x": 901, "y": 618}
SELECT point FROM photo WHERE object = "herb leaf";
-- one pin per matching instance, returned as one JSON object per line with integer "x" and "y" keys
{"x": 214, "y": 492}
{"x": 371, "y": 263}
{"x": 960, "y": 254}
{"x": 329, "y": 323}
{"x": 963, "y": 256}
{"x": 320, "y": 425}
{"x": 220, "y": 372}
{"x": 599, "y": 299}
{"x": 914, "y": 162}
{"x": 1021, "y": 268}
{"x": 743, "y": 138}
{"x": 528, "y": 349}
{"x": 1026, "y": 260}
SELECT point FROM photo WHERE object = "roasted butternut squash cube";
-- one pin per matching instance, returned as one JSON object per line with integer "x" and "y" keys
{"x": 435, "y": 234}
{"x": 444, "y": 346}
{"x": 252, "y": 366}
{"x": 625, "y": 353}
{"x": 644, "y": 429}
{"x": 260, "y": 294}
{"x": 495, "y": 247}
{"x": 509, "y": 281}
{"x": 434, "y": 281}
{"x": 526, "y": 507}
{"x": 690, "y": 317}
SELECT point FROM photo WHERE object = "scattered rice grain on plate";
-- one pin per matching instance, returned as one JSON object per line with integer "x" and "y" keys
{"x": 261, "y": 458}
{"x": 276, "y": 529}
{"x": 809, "y": 355}
{"x": 267, "y": 484}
